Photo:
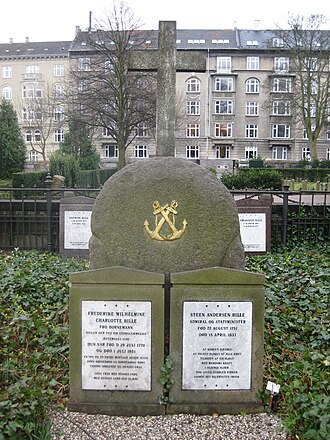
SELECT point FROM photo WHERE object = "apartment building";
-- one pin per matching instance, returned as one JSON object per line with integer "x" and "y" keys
{"x": 238, "y": 109}
{"x": 32, "y": 77}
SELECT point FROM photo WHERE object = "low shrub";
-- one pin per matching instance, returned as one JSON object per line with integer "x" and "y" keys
{"x": 297, "y": 335}
{"x": 251, "y": 178}
{"x": 29, "y": 180}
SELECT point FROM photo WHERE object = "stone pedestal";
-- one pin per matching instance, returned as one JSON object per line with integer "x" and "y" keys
{"x": 116, "y": 342}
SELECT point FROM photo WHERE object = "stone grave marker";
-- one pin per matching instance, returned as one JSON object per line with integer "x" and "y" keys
{"x": 75, "y": 226}
{"x": 255, "y": 225}
{"x": 216, "y": 341}
{"x": 154, "y": 224}
{"x": 116, "y": 341}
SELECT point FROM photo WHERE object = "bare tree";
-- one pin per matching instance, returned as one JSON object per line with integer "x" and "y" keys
{"x": 105, "y": 93}
{"x": 42, "y": 113}
{"x": 309, "y": 49}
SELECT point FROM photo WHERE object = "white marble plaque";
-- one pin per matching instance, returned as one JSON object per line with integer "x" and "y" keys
{"x": 77, "y": 229}
{"x": 116, "y": 345}
{"x": 253, "y": 231}
{"x": 217, "y": 339}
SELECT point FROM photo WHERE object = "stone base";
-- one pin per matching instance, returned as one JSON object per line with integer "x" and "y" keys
{"x": 215, "y": 408}
{"x": 117, "y": 409}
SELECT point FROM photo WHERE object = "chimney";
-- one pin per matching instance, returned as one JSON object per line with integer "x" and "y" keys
{"x": 11, "y": 40}
{"x": 77, "y": 30}
{"x": 90, "y": 22}
{"x": 27, "y": 40}
{"x": 256, "y": 24}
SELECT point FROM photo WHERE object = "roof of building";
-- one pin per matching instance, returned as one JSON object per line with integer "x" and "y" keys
{"x": 49, "y": 49}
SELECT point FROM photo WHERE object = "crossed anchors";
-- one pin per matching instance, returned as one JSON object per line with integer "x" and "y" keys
{"x": 165, "y": 212}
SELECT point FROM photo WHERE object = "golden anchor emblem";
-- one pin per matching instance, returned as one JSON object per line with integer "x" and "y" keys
{"x": 167, "y": 213}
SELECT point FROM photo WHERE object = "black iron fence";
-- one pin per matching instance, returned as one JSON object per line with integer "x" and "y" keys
{"x": 29, "y": 217}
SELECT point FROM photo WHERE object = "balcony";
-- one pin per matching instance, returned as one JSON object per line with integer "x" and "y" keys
{"x": 31, "y": 76}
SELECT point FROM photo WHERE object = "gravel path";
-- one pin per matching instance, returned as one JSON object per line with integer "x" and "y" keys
{"x": 79, "y": 426}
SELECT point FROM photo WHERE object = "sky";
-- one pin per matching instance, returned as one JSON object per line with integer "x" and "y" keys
{"x": 55, "y": 21}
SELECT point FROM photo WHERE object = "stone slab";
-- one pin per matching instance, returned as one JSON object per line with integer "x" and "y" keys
{"x": 116, "y": 341}
{"x": 255, "y": 225}
{"x": 75, "y": 226}
{"x": 165, "y": 215}
{"x": 233, "y": 338}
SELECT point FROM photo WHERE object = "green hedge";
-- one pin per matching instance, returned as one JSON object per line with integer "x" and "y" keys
{"x": 29, "y": 180}
{"x": 252, "y": 178}
{"x": 310, "y": 174}
{"x": 85, "y": 179}
{"x": 93, "y": 178}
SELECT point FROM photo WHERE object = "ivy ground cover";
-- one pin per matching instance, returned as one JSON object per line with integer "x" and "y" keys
{"x": 34, "y": 365}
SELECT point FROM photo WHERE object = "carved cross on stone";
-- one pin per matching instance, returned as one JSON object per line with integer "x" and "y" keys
{"x": 166, "y": 60}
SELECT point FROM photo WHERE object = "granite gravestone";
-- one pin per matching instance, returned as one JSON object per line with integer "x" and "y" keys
{"x": 166, "y": 247}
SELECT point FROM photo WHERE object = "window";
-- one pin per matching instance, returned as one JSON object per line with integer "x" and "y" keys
{"x": 306, "y": 133}
{"x": 312, "y": 111}
{"x": 281, "y": 64}
{"x": 192, "y": 130}
{"x": 280, "y": 131}
{"x": 28, "y": 135}
{"x": 223, "y": 64}
{"x": 110, "y": 151}
{"x": 82, "y": 85}
{"x": 223, "y": 107}
{"x": 193, "y": 85}
{"x": 282, "y": 85}
{"x": 311, "y": 64}
{"x": 58, "y": 135}
{"x": 6, "y": 72}
{"x": 327, "y": 154}
{"x": 58, "y": 114}
{"x": 27, "y": 114}
{"x": 252, "y": 63}
{"x": 252, "y": 108}
{"x": 32, "y": 69}
{"x": 141, "y": 130}
{"x": 222, "y": 152}
{"x": 224, "y": 85}
{"x": 281, "y": 108}
{"x": 58, "y": 91}
{"x": 251, "y": 152}
{"x": 33, "y": 156}
{"x": 280, "y": 152}
{"x": 37, "y": 135}
{"x": 140, "y": 151}
{"x": 223, "y": 129}
{"x": 31, "y": 91}
{"x": 7, "y": 93}
{"x": 58, "y": 70}
{"x": 84, "y": 64}
{"x": 192, "y": 152}
{"x": 278, "y": 42}
{"x": 252, "y": 85}
{"x": 193, "y": 108}
{"x": 251, "y": 131}
{"x": 106, "y": 132}
{"x": 306, "y": 153}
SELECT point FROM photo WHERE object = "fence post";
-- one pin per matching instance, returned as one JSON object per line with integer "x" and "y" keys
{"x": 285, "y": 212}
{"x": 48, "y": 183}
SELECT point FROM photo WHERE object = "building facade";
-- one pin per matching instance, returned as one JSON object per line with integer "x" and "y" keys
{"x": 238, "y": 109}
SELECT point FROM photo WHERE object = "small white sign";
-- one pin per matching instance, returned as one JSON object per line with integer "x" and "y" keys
{"x": 116, "y": 345}
{"x": 77, "y": 229}
{"x": 253, "y": 231}
{"x": 217, "y": 340}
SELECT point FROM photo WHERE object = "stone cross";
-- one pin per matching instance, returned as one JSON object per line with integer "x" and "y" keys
{"x": 166, "y": 61}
